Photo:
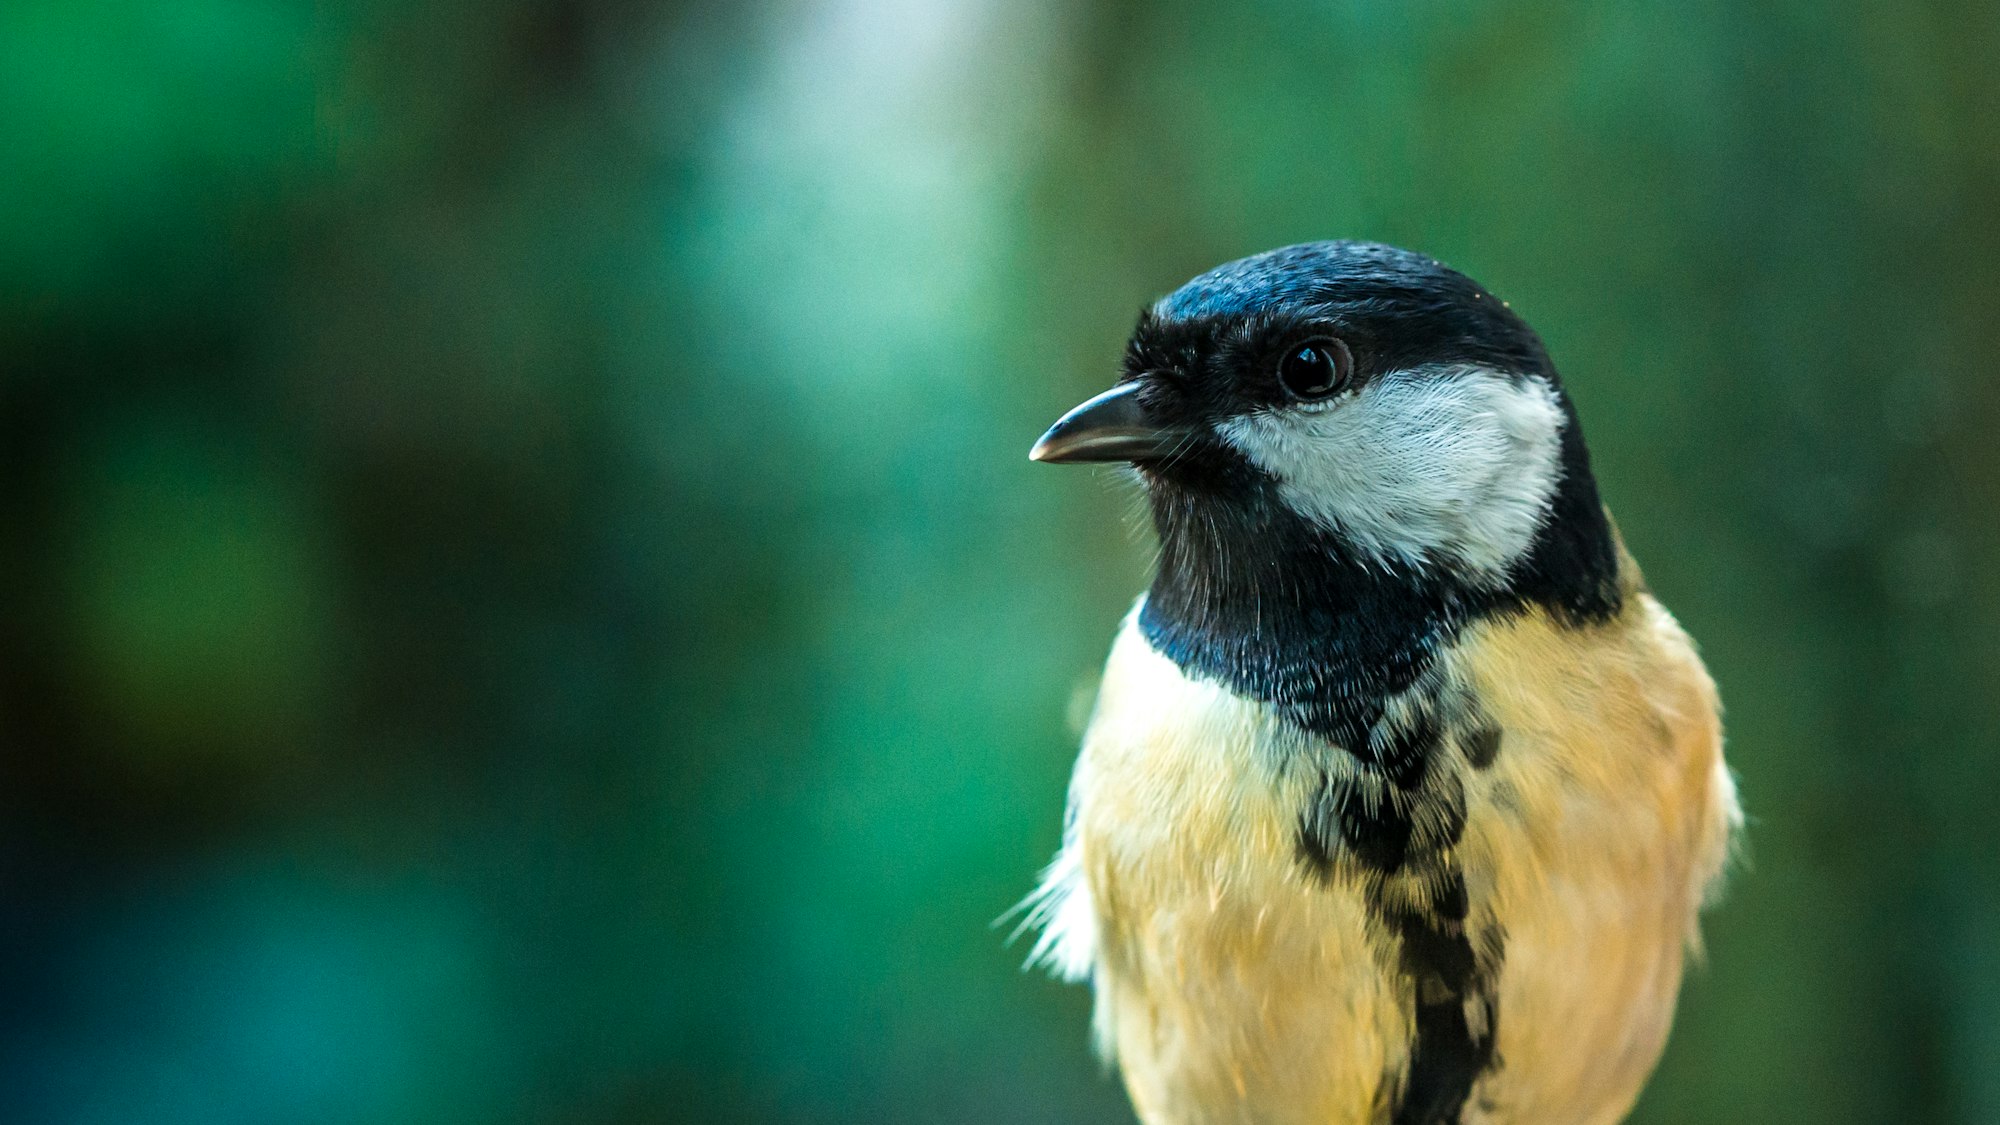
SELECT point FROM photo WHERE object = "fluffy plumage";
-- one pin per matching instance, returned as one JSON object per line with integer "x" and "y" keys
{"x": 1401, "y": 793}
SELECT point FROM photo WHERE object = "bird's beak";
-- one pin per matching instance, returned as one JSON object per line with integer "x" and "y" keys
{"x": 1111, "y": 427}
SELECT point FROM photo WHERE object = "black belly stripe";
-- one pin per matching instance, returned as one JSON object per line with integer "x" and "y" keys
{"x": 1447, "y": 1052}
{"x": 1392, "y": 829}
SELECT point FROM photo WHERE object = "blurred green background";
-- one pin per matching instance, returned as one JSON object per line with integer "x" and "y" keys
{"x": 524, "y": 600}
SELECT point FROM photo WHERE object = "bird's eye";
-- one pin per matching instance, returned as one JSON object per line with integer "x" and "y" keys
{"x": 1316, "y": 368}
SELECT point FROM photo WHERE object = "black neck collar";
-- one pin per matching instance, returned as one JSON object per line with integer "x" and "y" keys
{"x": 1254, "y": 596}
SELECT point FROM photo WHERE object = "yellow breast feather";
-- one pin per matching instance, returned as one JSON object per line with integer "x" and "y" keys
{"x": 1237, "y": 983}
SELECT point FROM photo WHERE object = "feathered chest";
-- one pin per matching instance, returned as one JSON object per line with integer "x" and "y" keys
{"x": 1399, "y": 928}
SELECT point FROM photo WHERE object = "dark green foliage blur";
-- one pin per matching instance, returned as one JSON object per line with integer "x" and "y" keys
{"x": 524, "y": 600}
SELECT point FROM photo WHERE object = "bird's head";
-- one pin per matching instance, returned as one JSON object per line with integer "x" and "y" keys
{"x": 1354, "y": 399}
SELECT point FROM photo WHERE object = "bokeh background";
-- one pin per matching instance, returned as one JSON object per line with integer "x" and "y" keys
{"x": 522, "y": 598}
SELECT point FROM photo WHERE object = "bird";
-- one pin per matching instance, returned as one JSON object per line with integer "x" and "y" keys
{"x": 1401, "y": 794}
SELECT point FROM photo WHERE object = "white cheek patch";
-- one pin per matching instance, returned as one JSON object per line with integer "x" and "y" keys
{"x": 1429, "y": 465}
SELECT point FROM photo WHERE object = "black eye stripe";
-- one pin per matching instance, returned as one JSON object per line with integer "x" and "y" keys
{"x": 1313, "y": 369}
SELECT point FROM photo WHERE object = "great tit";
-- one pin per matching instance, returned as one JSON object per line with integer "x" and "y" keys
{"x": 1401, "y": 793}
